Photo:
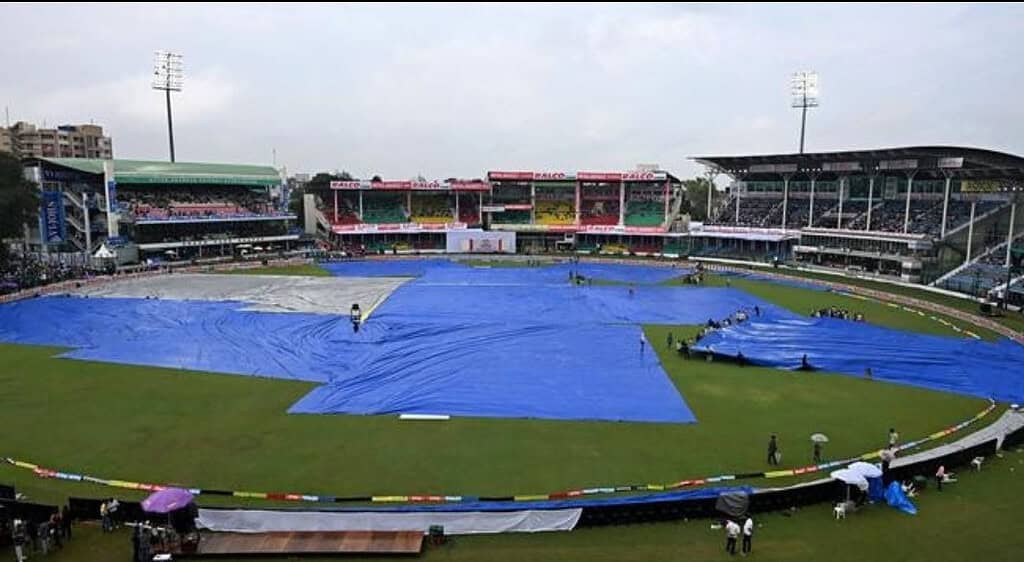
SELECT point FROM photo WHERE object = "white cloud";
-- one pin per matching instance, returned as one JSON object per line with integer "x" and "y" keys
{"x": 457, "y": 89}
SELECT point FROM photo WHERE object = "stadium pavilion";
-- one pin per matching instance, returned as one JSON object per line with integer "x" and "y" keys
{"x": 915, "y": 212}
{"x": 138, "y": 209}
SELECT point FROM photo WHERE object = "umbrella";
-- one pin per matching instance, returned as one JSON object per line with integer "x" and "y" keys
{"x": 167, "y": 500}
{"x": 850, "y": 477}
{"x": 819, "y": 438}
{"x": 867, "y": 470}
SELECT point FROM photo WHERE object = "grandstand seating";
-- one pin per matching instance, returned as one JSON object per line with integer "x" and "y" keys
{"x": 925, "y": 214}
{"x": 647, "y": 247}
{"x": 645, "y": 213}
{"x": 347, "y": 211}
{"x": 380, "y": 208}
{"x": 604, "y": 212}
{"x": 976, "y": 278}
{"x": 431, "y": 208}
{"x": 888, "y": 216}
{"x": 853, "y": 211}
{"x": 555, "y": 212}
{"x": 512, "y": 217}
{"x": 208, "y": 202}
{"x": 754, "y": 212}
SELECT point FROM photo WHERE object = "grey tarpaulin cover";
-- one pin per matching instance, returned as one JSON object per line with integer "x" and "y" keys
{"x": 733, "y": 504}
{"x": 454, "y": 522}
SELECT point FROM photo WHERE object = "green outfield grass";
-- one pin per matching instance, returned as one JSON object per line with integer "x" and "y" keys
{"x": 305, "y": 270}
{"x": 971, "y": 520}
{"x": 1013, "y": 320}
{"x": 804, "y": 301}
{"x": 232, "y": 432}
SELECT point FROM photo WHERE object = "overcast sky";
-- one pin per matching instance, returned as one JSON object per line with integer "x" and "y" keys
{"x": 456, "y": 90}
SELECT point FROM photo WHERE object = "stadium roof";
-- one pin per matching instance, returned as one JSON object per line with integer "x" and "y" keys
{"x": 924, "y": 161}
{"x": 147, "y": 172}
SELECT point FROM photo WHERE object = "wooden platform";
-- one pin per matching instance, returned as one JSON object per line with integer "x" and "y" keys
{"x": 309, "y": 543}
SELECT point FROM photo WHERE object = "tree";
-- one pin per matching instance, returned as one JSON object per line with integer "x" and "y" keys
{"x": 19, "y": 199}
{"x": 697, "y": 197}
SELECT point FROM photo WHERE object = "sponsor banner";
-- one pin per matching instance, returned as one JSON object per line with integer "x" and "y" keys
{"x": 475, "y": 241}
{"x": 518, "y": 207}
{"x": 528, "y": 176}
{"x": 637, "y": 175}
{"x": 469, "y": 185}
{"x": 536, "y": 227}
{"x": 411, "y": 185}
{"x": 54, "y": 227}
{"x": 399, "y": 185}
{"x": 841, "y": 166}
{"x": 493, "y": 208}
{"x": 397, "y": 227}
{"x": 348, "y": 185}
{"x": 49, "y": 174}
{"x": 772, "y": 168}
{"x": 987, "y": 186}
{"x": 111, "y": 196}
{"x": 217, "y": 242}
{"x": 616, "y": 229}
{"x": 909, "y": 164}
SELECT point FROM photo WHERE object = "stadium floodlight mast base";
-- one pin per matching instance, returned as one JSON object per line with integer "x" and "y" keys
{"x": 168, "y": 75}
{"x": 803, "y": 89}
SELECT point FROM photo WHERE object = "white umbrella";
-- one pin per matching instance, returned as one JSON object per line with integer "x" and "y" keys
{"x": 850, "y": 477}
{"x": 819, "y": 438}
{"x": 867, "y": 470}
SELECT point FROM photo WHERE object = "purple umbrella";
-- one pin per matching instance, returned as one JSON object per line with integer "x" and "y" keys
{"x": 167, "y": 500}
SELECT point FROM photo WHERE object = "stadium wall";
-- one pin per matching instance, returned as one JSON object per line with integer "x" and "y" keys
{"x": 480, "y": 242}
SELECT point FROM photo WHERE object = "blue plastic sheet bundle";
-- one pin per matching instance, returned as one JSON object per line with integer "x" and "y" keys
{"x": 895, "y": 497}
{"x": 960, "y": 365}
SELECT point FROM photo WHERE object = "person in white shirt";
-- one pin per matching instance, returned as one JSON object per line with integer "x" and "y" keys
{"x": 732, "y": 532}
{"x": 887, "y": 455}
{"x": 894, "y": 437}
{"x": 748, "y": 535}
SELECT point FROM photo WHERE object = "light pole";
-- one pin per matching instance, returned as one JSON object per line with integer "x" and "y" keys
{"x": 803, "y": 89}
{"x": 168, "y": 75}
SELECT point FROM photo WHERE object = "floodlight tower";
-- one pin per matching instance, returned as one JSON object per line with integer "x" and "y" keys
{"x": 804, "y": 92}
{"x": 168, "y": 75}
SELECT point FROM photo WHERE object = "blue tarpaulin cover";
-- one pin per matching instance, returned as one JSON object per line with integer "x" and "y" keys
{"x": 895, "y": 497}
{"x": 462, "y": 341}
{"x": 961, "y": 365}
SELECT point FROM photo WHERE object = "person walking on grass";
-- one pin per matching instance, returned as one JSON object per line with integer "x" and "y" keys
{"x": 732, "y": 532}
{"x": 894, "y": 437}
{"x": 20, "y": 540}
{"x": 748, "y": 535}
{"x": 773, "y": 451}
{"x": 105, "y": 517}
{"x": 669, "y": 340}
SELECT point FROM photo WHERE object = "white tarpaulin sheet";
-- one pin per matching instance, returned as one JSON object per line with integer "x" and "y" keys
{"x": 454, "y": 522}
{"x": 263, "y": 293}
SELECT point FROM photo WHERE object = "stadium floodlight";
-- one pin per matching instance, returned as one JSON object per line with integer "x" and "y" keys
{"x": 803, "y": 88}
{"x": 168, "y": 75}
